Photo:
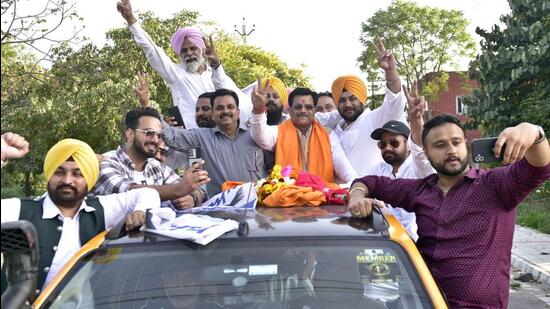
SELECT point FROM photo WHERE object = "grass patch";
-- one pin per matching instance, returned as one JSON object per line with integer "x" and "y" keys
{"x": 534, "y": 212}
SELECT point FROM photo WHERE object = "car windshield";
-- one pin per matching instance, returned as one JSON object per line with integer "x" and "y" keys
{"x": 251, "y": 273}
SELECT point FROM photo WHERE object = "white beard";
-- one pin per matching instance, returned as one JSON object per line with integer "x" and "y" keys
{"x": 194, "y": 66}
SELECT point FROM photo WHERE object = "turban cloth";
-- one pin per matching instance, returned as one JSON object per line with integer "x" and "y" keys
{"x": 83, "y": 155}
{"x": 279, "y": 87}
{"x": 192, "y": 34}
{"x": 352, "y": 84}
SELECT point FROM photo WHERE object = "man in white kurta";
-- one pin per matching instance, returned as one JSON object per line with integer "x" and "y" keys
{"x": 353, "y": 123}
{"x": 192, "y": 76}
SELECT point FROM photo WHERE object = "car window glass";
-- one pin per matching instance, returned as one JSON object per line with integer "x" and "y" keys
{"x": 304, "y": 273}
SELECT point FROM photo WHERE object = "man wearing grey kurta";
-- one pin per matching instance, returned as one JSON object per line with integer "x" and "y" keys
{"x": 228, "y": 151}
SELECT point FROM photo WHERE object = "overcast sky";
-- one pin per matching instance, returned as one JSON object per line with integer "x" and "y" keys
{"x": 322, "y": 35}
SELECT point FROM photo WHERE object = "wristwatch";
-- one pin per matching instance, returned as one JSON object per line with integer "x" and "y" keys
{"x": 542, "y": 135}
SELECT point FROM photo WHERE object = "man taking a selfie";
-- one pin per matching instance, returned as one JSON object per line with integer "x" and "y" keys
{"x": 465, "y": 216}
{"x": 133, "y": 165}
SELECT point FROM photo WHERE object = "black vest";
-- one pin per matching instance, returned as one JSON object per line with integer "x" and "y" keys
{"x": 49, "y": 231}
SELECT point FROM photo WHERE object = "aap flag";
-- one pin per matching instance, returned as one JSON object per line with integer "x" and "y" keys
{"x": 201, "y": 229}
{"x": 240, "y": 197}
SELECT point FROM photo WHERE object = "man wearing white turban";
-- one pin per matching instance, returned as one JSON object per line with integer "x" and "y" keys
{"x": 63, "y": 217}
{"x": 191, "y": 77}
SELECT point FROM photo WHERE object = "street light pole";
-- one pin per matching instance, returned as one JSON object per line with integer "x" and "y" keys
{"x": 243, "y": 33}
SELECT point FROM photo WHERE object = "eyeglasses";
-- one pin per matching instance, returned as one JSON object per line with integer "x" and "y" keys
{"x": 151, "y": 133}
{"x": 298, "y": 107}
{"x": 393, "y": 142}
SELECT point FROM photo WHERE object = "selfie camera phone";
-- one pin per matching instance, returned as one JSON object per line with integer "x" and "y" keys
{"x": 194, "y": 155}
{"x": 174, "y": 111}
{"x": 483, "y": 150}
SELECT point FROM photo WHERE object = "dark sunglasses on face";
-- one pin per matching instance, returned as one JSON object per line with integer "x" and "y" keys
{"x": 393, "y": 142}
{"x": 151, "y": 133}
{"x": 298, "y": 107}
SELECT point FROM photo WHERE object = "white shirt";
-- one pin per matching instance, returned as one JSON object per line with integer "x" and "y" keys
{"x": 115, "y": 207}
{"x": 416, "y": 166}
{"x": 359, "y": 147}
{"x": 187, "y": 86}
{"x": 266, "y": 137}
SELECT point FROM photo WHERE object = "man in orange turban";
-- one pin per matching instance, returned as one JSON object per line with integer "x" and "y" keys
{"x": 353, "y": 123}
{"x": 300, "y": 141}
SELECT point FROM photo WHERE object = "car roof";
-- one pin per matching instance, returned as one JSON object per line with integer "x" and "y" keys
{"x": 322, "y": 221}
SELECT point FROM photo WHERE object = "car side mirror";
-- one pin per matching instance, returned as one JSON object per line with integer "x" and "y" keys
{"x": 20, "y": 250}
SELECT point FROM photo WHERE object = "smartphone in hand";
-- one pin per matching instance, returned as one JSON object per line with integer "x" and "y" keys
{"x": 194, "y": 155}
{"x": 483, "y": 150}
{"x": 174, "y": 111}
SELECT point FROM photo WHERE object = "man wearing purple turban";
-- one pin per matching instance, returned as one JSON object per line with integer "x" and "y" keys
{"x": 199, "y": 71}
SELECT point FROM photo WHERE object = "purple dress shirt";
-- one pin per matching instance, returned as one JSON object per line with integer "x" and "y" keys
{"x": 466, "y": 236}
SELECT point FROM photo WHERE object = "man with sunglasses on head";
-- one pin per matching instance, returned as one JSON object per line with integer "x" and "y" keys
{"x": 403, "y": 154}
{"x": 133, "y": 165}
{"x": 300, "y": 141}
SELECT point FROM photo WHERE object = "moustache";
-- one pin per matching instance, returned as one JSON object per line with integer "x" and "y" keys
{"x": 226, "y": 115}
{"x": 60, "y": 188}
{"x": 450, "y": 159}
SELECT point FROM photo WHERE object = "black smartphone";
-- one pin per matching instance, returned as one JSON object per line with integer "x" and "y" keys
{"x": 194, "y": 155}
{"x": 174, "y": 111}
{"x": 483, "y": 150}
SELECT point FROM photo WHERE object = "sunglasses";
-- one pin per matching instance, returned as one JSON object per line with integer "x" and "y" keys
{"x": 151, "y": 133}
{"x": 393, "y": 142}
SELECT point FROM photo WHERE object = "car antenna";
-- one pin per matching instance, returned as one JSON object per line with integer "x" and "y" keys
{"x": 243, "y": 226}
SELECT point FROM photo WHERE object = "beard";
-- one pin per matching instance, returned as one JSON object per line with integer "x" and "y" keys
{"x": 144, "y": 151}
{"x": 193, "y": 65}
{"x": 204, "y": 122}
{"x": 392, "y": 158}
{"x": 349, "y": 118}
{"x": 442, "y": 169}
{"x": 66, "y": 196}
{"x": 274, "y": 113}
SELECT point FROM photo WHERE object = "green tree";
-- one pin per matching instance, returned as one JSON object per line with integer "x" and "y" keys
{"x": 423, "y": 39}
{"x": 90, "y": 90}
{"x": 513, "y": 70}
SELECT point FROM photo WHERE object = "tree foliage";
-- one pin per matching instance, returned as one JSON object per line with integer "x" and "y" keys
{"x": 423, "y": 39}
{"x": 513, "y": 69}
{"x": 40, "y": 28}
{"x": 88, "y": 91}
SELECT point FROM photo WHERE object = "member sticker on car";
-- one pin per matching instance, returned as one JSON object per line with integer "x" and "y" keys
{"x": 377, "y": 266}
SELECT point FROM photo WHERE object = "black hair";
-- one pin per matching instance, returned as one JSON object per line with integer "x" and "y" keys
{"x": 438, "y": 121}
{"x": 132, "y": 117}
{"x": 302, "y": 92}
{"x": 206, "y": 95}
{"x": 323, "y": 94}
{"x": 221, "y": 93}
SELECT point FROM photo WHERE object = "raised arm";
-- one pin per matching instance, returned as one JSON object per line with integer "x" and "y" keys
{"x": 14, "y": 146}
{"x": 393, "y": 106}
{"x": 158, "y": 59}
{"x": 524, "y": 140}
{"x": 416, "y": 106}
{"x": 264, "y": 135}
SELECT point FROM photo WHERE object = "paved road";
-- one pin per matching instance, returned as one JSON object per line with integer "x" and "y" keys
{"x": 528, "y": 295}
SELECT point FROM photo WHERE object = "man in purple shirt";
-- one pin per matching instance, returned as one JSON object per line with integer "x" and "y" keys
{"x": 465, "y": 216}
